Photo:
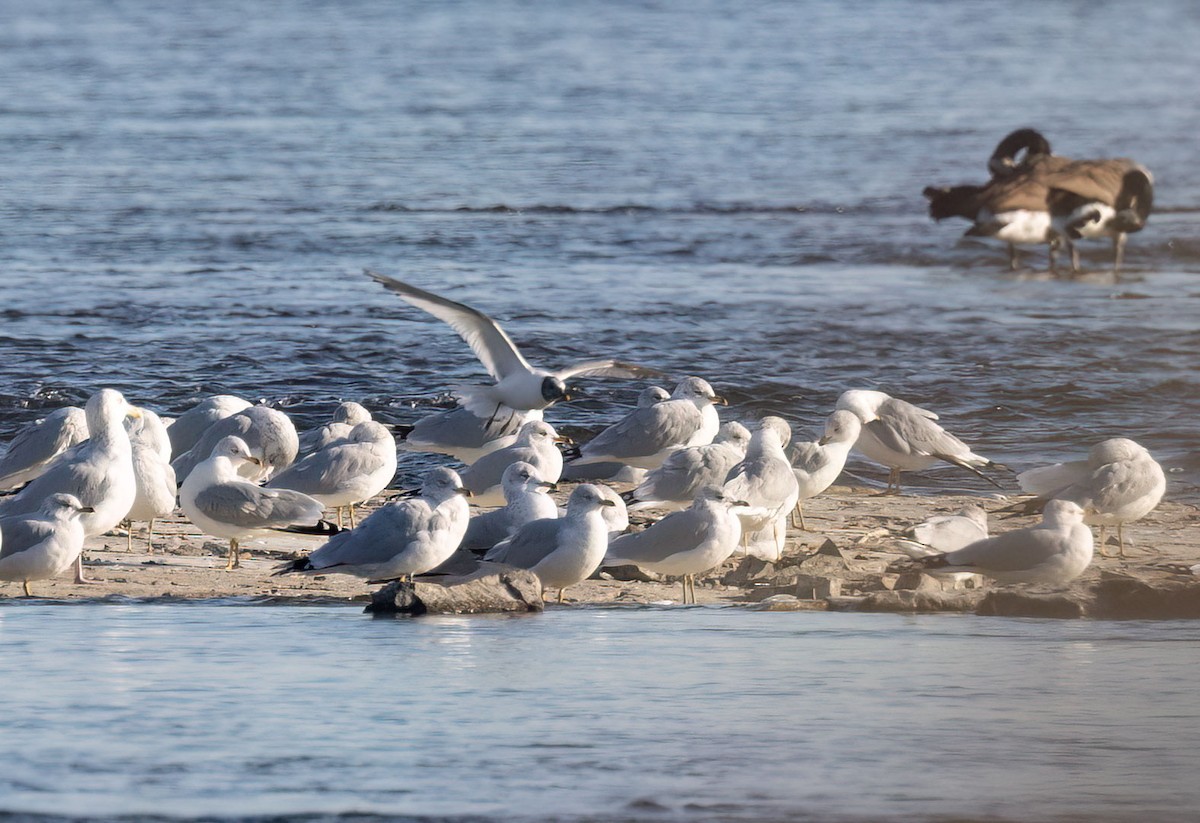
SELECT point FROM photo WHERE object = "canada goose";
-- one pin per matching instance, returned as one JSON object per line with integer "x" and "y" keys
{"x": 1100, "y": 198}
{"x": 1012, "y": 205}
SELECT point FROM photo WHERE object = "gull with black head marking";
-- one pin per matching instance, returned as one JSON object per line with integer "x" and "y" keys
{"x": 519, "y": 386}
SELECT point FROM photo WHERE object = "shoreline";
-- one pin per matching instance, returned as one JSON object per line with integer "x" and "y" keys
{"x": 850, "y": 529}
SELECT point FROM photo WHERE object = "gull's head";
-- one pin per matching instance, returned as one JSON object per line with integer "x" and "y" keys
{"x": 841, "y": 427}
{"x": 863, "y": 402}
{"x": 975, "y": 514}
{"x": 554, "y": 390}
{"x": 442, "y": 484}
{"x": 108, "y": 407}
{"x": 1116, "y": 450}
{"x": 735, "y": 434}
{"x": 1062, "y": 513}
{"x": 64, "y": 503}
{"x": 235, "y": 450}
{"x": 698, "y": 391}
{"x": 521, "y": 476}
{"x": 351, "y": 413}
{"x": 538, "y": 432}
{"x": 715, "y": 494}
{"x": 369, "y": 432}
{"x": 652, "y": 395}
{"x": 588, "y": 498}
{"x": 778, "y": 426}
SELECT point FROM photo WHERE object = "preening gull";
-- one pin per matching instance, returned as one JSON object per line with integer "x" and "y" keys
{"x": 464, "y": 436}
{"x": 1054, "y": 552}
{"x": 905, "y": 437}
{"x": 268, "y": 432}
{"x": 345, "y": 417}
{"x": 817, "y": 463}
{"x": 518, "y": 385}
{"x": 561, "y": 552}
{"x": 38, "y": 444}
{"x": 399, "y": 539}
{"x": 98, "y": 471}
{"x": 648, "y": 435}
{"x": 190, "y": 426}
{"x": 152, "y": 473}
{"x": 767, "y": 484}
{"x": 674, "y": 484}
{"x": 346, "y": 472}
{"x": 684, "y": 543}
{"x": 1119, "y": 483}
{"x": 44, "y": 544}
{"x": 220, "y": 502}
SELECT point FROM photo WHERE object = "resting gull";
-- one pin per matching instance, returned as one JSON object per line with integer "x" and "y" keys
{"x": 42, "y": 545}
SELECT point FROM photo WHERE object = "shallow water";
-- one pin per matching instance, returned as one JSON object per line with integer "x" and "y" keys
{"x": 190, "y": 196}
{"x": 623, "y": 714}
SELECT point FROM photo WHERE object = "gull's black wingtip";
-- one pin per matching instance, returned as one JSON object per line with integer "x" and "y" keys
{"x": 300, "y": 564}
{"x": 322, "y": 528}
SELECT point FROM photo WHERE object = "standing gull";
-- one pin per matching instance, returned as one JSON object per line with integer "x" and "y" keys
{"x": 1054, "y": 552}
{"x": 617, "y": 472}
{"x": 37, "y": 445}
{"x": 190, "y": 426}
{"x": 399, "y": 539}
{"x": 518, "y": 385}
{"x": 220, "y": 502}
{"x": 346, "y": 472}
{"x": 674, "y": 484}
{"x": 684, "y": 543}
{"x": 904, "y": 437}
{"x": 99, "y": 472}
{"x": 42, "y": 545}
{"x": 648, "y": 435}
{"x": 561, "y": 552}
{"x": 534, "y": 445}
{"x": 767, "y": 484}
{"x": 1119, "y": 483}
{"x": 526, "y": 500}
{"x": 152, "y": 473}
{"x": 818, "y": 463}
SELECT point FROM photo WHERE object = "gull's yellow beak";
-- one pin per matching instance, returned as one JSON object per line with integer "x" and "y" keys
{"x": 134, "y": 412}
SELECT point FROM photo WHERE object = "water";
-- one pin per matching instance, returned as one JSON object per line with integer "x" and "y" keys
{"x": 191, "y": 190}
{"x": 650, "y": 714}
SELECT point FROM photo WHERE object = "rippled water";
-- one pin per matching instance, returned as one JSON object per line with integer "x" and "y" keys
{"x": 190, "y": 194}
{"x": 712, "y": 714}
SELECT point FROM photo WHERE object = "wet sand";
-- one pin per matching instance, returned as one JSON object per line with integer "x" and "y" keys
{"x": 858, "y": 520}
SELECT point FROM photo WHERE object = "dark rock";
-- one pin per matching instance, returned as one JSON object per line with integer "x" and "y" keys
{"x": 1026, "y": 603}
{"x": 915, "y": 581}
{"x": 748, "y": 570}
{"x": 1124, "y": 597}
{"x": 484, "y": 592}
{"x": 912, "y": 601}
{"x": 626, "y": 574}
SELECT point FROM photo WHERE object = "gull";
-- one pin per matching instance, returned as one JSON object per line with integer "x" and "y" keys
{"x": 465, "y": 437}
{"x": 945, "y": 533}
{"x": 400, "y": 539}
{"x": 518, "y": 385}
{"x": 904, "y": 437}
{"x": 648, "y": 435}
{"x": 525, "y": 500}
{"x": 1054, "y": 552}
{"x": 190, "y": 426}
{"x": 674, "y": 485}
{"x": 152, "y": 474}
{"x": 268, "y": 432}
{"x": 561, "y": 552}
{"x": 616, "y": 516}
{"x": 345, "y": 417}
{"x": 37, "y": 445}
{"x": 534, "y": 445}
{"x": 818, "y": 463}
{"x": 1118, "y": 483}
{"x": 98, "y": 471}
{"x": 220, "y": 502}
{"x": 42, "y": 545}
{"x": 346, "y": 472}
{"x": 617, "y": 472}
{"x": 684, "y": 543}
{"x": 765, "y": 481}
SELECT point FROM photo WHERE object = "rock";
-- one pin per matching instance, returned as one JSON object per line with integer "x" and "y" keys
{"x": 1014, "y": 602}
{"x": 789, "y": 603}
{"x": 511, "y": 590}
{"x": 909, "y": 601}
{"x": 915, "y": 581}
{"x": 626, "y": 574}
{"x": 1125, "y": 597}
{"x": 749, "y": 569}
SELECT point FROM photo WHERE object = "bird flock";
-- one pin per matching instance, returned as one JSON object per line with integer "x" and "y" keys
{"x": 238, "y": 470}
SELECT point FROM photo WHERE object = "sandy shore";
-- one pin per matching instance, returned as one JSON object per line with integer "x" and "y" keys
{"x": 859, "y": 522}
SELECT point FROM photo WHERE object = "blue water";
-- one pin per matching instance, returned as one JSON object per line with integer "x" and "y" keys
{"x": 609, "y": 714}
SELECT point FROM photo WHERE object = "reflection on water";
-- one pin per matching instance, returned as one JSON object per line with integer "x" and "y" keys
{"x": 610, "y": 713}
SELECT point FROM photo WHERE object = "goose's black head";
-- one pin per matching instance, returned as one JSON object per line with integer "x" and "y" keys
{"x": 1004, "y": 162}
